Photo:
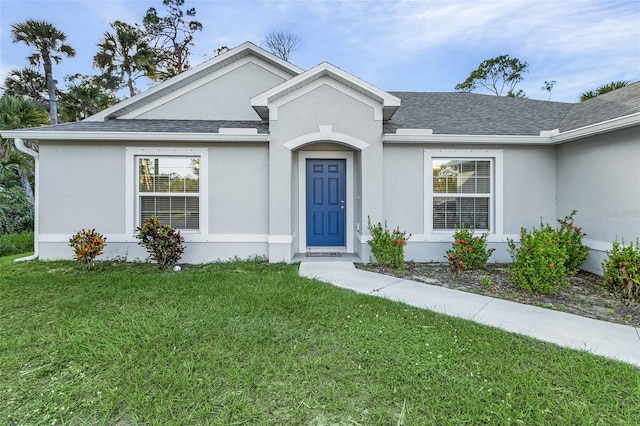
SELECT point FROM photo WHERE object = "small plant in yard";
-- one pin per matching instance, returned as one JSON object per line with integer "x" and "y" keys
{"x": 539, "y": 263}
{"x": 163, "y": 243}
{"x": 622, "y": 270}
{"x": 387, "y": 246}
{"x": 87, "y": 245}
{"x": 571, "y": 237}
{"x": 467, "y": 251}
{"x": 486, "y": 281}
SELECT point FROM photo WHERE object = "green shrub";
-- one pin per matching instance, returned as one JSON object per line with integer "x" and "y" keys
{"x": 539, "y": 263}
{"x": 87, "y": 245}
{"x": 622, "y": 270}
{"x": 571, "y": 237}
{"x": 16, "y": 243}
{"x": 16, "y": 214}
{"x": 387, "y": 246}
{"x": 162, "y": 242}
{"x": 467, "y": 251}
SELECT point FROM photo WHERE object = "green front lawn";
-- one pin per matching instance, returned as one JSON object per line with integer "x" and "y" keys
{"x": 253, "y": 343}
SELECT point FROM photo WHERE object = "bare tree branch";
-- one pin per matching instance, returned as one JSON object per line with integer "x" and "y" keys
{"x": 281, "y": 43}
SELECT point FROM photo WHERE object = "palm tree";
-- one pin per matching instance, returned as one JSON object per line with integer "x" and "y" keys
{"x": 125, "y": 53}
{"x": 49, "y": 43}
{"x": 18, "y": 113}
{"x": 614, "y": 85}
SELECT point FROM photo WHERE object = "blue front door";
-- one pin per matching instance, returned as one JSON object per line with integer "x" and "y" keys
{"x": 326, "y": 196}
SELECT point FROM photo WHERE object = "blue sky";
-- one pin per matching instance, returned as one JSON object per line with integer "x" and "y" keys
{"x": 394, "y": 45}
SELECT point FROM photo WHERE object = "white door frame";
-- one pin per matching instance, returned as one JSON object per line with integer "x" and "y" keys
{"x": 302, "y": 197}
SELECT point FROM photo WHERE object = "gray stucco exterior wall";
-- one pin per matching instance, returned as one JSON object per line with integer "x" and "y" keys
{"x": 598, "y": 176}
{"x": 528, "y": 196}
{"x": 223, "y": 98}
{"x": 83, "y": 185}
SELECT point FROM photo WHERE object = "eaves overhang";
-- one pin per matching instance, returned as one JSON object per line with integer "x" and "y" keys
{"x": 467, "y": 139}
{"x": 619, "y": 123}
{"x": 134, "y": 136}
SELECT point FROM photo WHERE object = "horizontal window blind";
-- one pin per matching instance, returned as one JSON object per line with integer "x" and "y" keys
{"x": 462, "y": 193}
{"x": 168, "y": 187}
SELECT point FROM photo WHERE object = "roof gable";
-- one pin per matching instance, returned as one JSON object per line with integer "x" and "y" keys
{"x": 261, "y": 103}
{"x": 201, "y": 73}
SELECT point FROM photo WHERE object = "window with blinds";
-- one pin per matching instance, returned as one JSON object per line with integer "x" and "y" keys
{"x": 169, "y": 188}
{"x": 462, "y": 193}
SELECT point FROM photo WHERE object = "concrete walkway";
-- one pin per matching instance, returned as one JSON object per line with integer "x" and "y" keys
{"x": 614, "y": 341}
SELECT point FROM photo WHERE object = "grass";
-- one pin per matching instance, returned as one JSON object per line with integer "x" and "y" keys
{"x": 253, "y": 343}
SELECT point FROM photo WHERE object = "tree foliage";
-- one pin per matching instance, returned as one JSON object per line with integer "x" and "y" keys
{"x": 16, "y": 212}
{"x": 125, "y": 53}
{"x": 87, "y": 95}
{"x": 49, "y": 44}
{"x": 27, "y": 83}
{"x": 281, "y": 43}
{"x": 17, "y": 113}
{"x": 170, "y": 37}
{"x": 499, "y": 75}
{"x": 614, "y": 85}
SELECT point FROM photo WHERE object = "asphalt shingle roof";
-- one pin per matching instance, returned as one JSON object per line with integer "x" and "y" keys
{"x": 475, "y": 114}
{"x": 618, "y": 103}
{"x": 148, "y": 125}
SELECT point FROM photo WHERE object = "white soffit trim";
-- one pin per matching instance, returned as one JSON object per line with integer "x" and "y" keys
{"x": 466, "y": 139}
{"x": 389, "y": 102}
{"x": 238, "y": 130}
{"x": 138, "y": 136}
{"x": 598, "y": 128}
{"x": 198, "y": 72}
{"x": 326, "y": 133}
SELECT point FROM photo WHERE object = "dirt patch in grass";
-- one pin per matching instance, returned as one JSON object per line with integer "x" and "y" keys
{"x": 585, "y": 295}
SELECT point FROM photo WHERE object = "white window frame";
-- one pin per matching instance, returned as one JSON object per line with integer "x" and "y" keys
{"x": 132, "y": 208}
{"x": 496, "y": 211}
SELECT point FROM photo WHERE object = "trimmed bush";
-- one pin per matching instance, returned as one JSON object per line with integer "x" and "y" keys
{"x": 87, "y": 245}
{"x": 387, "y": 246}
{"x": 571, "y": 237}
{"x": 467, "y": 251}
{"x": 162, "y": 242}
{"x": 539, "y": 263}
{"x": 622, "y": 270}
